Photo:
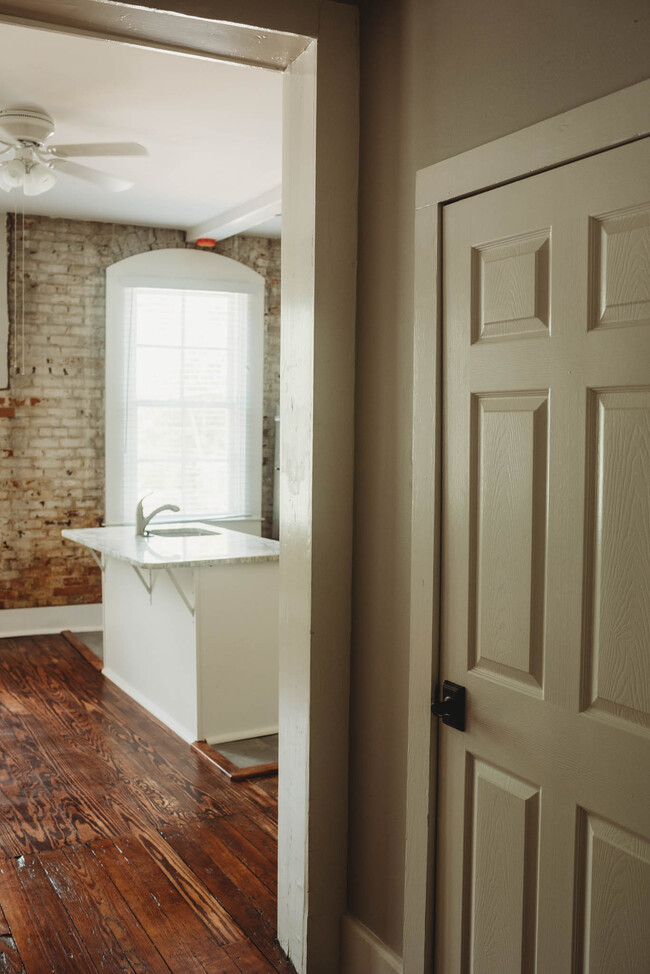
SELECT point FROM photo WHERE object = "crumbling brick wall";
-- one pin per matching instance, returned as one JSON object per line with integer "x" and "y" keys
{"x": 52, "y": 415}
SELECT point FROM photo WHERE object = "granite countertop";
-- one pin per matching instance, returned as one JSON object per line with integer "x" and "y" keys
{"x": 220, "y": 547}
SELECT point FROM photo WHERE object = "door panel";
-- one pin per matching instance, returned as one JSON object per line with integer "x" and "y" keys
{"x": 509, "y": 510}
{"x": 510, "y": 287}
{"x": 544, "y": 802}
{"x": 617, "y": 657}
{"x": 620, "y": 285}
{"x": 614, "y": 934}
{"x": 500, "y": 929}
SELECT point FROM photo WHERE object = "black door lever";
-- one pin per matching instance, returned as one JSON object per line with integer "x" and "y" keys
{"x": 452, "y": 706}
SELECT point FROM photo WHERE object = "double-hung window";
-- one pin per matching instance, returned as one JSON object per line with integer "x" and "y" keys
{"x": 184, "y": 356}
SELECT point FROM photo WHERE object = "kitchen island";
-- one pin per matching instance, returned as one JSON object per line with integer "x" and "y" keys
{"x": 191, "y": 625}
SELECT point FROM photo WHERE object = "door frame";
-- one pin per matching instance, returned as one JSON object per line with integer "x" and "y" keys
{"x": 589, "y": 129}
{"x": 315, "y": 44}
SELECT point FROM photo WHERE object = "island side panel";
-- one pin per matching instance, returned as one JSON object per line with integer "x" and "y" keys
{"x": 237, "y": 639}
{"x": 150, "y": 644}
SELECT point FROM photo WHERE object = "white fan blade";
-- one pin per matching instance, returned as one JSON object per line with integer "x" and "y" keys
{"x": 90, "y": 175}
{"x": 99, "y": 149}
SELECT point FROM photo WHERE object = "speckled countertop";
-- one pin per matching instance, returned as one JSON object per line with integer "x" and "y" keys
{"x": 220, "y": 547}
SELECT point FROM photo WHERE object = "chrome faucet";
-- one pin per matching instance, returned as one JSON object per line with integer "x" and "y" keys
{"x": 141, "y": 521}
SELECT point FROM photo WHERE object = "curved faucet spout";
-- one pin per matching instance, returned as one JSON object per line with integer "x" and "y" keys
{"x": 141, "y": 521}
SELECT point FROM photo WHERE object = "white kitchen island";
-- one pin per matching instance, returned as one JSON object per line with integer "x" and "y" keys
{"x": 191, "y": 626}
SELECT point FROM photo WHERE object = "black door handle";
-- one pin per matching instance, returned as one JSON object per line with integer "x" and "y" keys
{"x": 452, "y": 706}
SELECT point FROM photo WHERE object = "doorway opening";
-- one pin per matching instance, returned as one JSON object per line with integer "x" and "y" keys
{"x": 316, "y": 52}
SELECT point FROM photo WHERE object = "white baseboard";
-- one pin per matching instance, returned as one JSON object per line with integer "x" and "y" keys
{"x": 364, "y": 953}
{"x": 241, "y": 735}
{"x": 188, "y": 735}
{"x": 48, "y": 619}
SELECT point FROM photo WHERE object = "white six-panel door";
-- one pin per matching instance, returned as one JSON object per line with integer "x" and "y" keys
{"x": 543, "y": 861}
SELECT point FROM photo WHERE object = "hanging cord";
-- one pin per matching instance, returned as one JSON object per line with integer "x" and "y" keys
{"x": 19, "y": 306}
{"x": 15, "y": 257}
{"x": 22, "y": 300}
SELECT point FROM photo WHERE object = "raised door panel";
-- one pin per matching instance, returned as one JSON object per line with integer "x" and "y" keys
{"x": 614, "y": 934}
{"x": 509, "y": 499}
{"x": 510, "y": 287}
{"x": 501, "y": 864}
{"x": 618, "y": 616}
{"x": 620, "y": 268}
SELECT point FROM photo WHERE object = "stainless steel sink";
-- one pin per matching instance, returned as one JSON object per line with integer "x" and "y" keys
{"x": 180, "y": 532}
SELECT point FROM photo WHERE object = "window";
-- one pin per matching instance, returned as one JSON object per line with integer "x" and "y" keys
{"x": 184, "y": 348}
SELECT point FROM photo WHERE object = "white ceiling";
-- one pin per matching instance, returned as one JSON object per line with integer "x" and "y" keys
{"x": 213, "y": 130}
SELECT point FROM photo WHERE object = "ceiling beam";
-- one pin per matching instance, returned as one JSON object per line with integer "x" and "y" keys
{"x": 241, "y": 218}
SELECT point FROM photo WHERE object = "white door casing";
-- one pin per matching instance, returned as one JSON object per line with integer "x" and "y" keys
{"x": 544, "y": 803}
{"x": 510, "y": 420}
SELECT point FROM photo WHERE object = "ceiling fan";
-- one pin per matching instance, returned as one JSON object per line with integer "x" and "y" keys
{"x": 26, "y": 161}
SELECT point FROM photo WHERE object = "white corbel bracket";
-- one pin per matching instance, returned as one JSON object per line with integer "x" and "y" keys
{"x": 188, "y": 604}
{"x": 100, "y": 561}
{"x": 148, "y": 587}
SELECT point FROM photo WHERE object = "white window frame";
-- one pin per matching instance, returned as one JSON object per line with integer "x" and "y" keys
{"x": 178, "y": 269}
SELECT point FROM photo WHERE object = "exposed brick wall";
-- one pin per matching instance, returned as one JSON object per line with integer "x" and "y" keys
{"x": 52, "y": 415}
{"x": 263, "y": 255}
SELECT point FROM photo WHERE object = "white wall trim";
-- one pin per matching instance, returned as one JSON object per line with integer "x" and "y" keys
{"x": 319, "y": 252}
{"x": 233, "y": 31}
{"x": 254, "y": 732}
{"x": 49, "y": 619}
{"x": 599, "y": 125}
{"x": 364, "y": 953}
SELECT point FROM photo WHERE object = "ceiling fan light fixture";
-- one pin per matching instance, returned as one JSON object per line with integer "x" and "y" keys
{"x": 12, "y": 174}
{"x": 38, "y": 179}
{"x": 34, "y": 177}
{"x": 35, "y": 164}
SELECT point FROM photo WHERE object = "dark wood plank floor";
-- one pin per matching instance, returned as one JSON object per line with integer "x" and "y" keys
{"x": 120, "y": 848}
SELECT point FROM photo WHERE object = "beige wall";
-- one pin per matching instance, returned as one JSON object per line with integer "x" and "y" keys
{"x": 437, "y": 78}
{"x": 482, "y": 70}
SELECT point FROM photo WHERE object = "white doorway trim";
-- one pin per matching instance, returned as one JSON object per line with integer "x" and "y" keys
{"x": 599, "y": 125}
{"x": 315, "y": 44}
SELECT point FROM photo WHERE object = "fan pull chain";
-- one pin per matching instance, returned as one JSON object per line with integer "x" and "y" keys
{"x": 19, "y": 306}
{"x": 22, "y": 299}
{"x": 15, "y": 259}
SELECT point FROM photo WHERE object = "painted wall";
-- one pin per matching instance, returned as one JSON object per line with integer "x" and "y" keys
{"x": 52, "y": 415}
{"x": 437, "y": 78}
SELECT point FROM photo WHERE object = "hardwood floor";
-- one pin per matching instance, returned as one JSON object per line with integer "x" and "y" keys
{"x": 122, "y": 849}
